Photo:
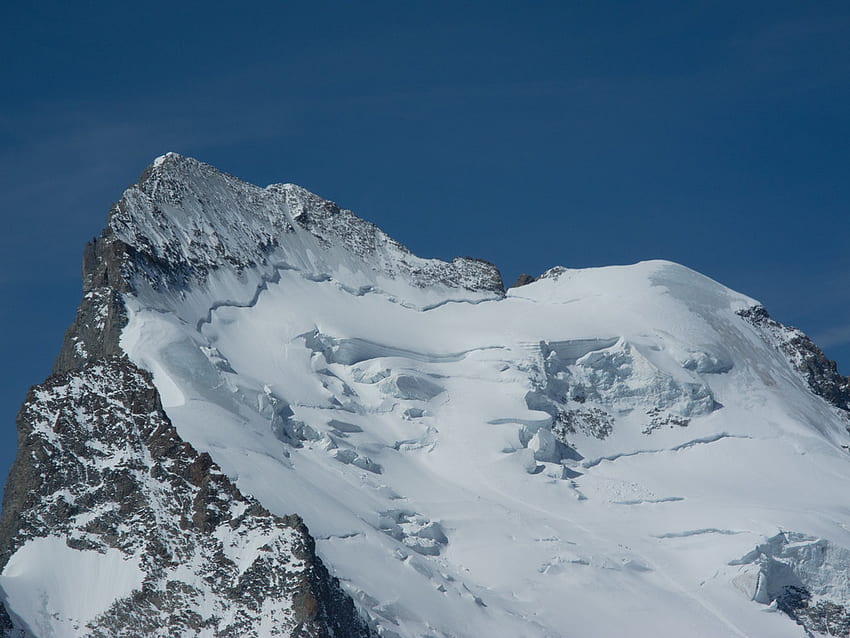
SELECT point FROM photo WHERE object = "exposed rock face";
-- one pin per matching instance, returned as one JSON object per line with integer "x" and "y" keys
{"x": 523, "y": 280}
{"x": 102, "y": 467}
{"x": 819, "y": 372}
{"x": 100, "y": 315}
{"x": 6, "y": 626}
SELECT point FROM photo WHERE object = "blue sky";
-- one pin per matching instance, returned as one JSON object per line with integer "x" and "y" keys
{"x": 715, "y": 134}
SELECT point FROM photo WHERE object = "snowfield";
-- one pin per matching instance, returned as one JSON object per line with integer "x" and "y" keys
{"x": 603, "y": 452}
{"x": 409, "y": 420}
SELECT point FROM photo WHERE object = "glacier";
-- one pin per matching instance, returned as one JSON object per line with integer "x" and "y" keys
{"x": 623, "y": 450}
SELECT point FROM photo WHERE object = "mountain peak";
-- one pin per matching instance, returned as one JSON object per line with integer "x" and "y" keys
{"x": 466, "y": 459}
{"x": 187, "y": 220}
{"x": 168, "y": 163}
{"x": 170, "y": 155}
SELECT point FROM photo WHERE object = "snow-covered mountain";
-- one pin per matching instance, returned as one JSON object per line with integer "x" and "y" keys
{"x": 634, "y": 450}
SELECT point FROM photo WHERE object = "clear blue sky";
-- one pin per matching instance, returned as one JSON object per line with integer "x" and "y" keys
{"x": 715, "y": 134}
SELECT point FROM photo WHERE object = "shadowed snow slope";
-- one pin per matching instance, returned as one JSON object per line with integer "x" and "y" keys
{"x": 590, "y": 454}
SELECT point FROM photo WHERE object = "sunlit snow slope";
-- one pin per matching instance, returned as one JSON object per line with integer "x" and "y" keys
{"x": 603, "y": 452}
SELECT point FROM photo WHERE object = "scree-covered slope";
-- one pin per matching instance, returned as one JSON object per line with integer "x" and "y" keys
{"x": 634, "y": 450}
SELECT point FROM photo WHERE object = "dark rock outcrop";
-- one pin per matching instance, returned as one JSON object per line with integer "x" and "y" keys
{"x": 523, "y": 280}
{"x": 6, "y": 626}
{"x": 820, "y": 373}
{"x": 100, "y": 316}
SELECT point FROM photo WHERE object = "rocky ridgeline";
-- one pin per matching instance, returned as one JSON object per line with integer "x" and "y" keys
{"x": 185, "y": 219}
{"x": 819, "y": 372}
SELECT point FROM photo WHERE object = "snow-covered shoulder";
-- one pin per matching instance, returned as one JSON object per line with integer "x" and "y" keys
{"x": 687, "y": 286}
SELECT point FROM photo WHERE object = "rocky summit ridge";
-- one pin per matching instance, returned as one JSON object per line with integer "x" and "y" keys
{"x": 467, "y": 460}
{"x": 191, "y": 218}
